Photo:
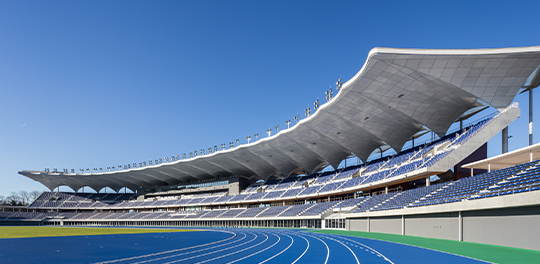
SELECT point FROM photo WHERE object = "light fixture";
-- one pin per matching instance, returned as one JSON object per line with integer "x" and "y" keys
{"x": 316, "y": 103}
{"x": 248, "y": 138}
{"x": 288, "y": 122}
{"x": 269, "y": 131}
{"x": 296, "y": 118}
{"x": 256, "y": 136}
{"x": 338, "y": 84}
{"x": 277, "y": 128}
{"x": 329, "y": 94}
{"x": 308, "y": 112}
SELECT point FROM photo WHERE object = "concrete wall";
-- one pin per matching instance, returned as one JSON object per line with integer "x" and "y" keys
{"x": 390, "y": 225}
{"x": 444, "y": 225}
{"x": 512, "y": 227}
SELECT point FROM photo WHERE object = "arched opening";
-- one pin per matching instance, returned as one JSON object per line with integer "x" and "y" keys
{"x": 125, "y": 190}
{"x": 107, "y": 189}
{"x": 63, "y": 188}
{"x": 86, "y": 189}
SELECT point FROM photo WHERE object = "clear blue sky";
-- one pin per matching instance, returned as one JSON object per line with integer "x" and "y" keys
{"x": 89, "y": 84}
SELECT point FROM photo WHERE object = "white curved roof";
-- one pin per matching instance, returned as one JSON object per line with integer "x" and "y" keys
{"x": 395, "y": 94}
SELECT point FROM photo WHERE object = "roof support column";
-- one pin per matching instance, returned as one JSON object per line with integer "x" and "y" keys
{"x": 505, "y": 140}
{"x": 428, "y": 182}
{"x": 530, "y": 117}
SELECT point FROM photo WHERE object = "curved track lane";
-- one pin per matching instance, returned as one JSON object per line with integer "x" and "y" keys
{"x": 220, "y": 246}
{"x": 295, "y": 246}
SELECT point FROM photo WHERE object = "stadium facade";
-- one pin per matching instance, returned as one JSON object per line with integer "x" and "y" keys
{"x": 277, "y": 181}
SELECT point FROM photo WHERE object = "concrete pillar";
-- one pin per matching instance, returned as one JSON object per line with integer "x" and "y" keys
{"x": 386, "y": 189}
{"x": 531, "y": 156}
{"x": 472, "y": 171}
{"x": 461, "y": 124}
{"x": 505, "y": 140}
{"x": 428, "y": 182}
{"x": 368, "y": 228}
{"x": 460, "y": 227}
{"x": 530, "y": 116}
{"x": 489, "y": 167}
{"x": 402, "y": 225}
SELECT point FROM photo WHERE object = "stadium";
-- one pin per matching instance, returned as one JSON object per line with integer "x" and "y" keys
{"x": 443, "y": 188}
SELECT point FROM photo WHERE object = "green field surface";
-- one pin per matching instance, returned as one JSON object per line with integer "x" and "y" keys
{"x": 49, "y": 231}
{"x": 491, "y": 253}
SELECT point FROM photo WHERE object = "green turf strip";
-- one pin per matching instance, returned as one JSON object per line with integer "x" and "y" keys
{"x": 491, "y": 253}
{"x": 49, "y": 231}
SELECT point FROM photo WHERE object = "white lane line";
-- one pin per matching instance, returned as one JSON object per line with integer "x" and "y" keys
{"x": 292, "y": 241}
{"x": 416, "y": 247}
{"x": 304, "y": 250}
{"x": 213, "y": 252}
{"x": 328, "y": 237}
{"x": 378, "y": 253}
{"x": 191, "y": 252}
{"x": 227, "y": 254}
{"x": 279, "y": 238}
{"x": 327, "y": 249}
{"x": 172, "y": 251}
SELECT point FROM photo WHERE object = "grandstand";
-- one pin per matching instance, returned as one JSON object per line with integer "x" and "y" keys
{"x": 292, "y": 179}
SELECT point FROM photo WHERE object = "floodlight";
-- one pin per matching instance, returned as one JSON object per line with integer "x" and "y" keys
{"x": 308, "y": 111}
{"x": 329, "y": 94}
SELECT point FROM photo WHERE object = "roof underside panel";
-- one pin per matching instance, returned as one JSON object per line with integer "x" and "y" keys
{"x": 397, "y": 93}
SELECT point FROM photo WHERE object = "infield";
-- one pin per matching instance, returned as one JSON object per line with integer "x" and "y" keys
{"x": 49, "y": 231}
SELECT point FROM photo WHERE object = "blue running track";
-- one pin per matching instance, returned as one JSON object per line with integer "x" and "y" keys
{"x": 218, "y": 246}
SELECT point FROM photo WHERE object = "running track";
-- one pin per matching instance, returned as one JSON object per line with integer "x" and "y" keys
{"x": 218, "y": 246}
